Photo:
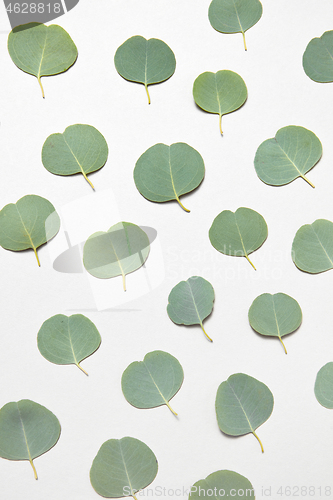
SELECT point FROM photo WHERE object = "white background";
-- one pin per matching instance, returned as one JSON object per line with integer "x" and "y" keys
{"x": 298, "y": 436}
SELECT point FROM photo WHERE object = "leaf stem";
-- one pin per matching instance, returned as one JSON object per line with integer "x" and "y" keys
{"x": 79, "y": 366}
{"x": 35, "y": 250}
{"x": 124, "y": 282}
{"x": 220, "y": 123}
{"x": 180, "y": 203}
{"x": 134, "y": 496}
{"x": 246, "y": 256}
{"x": 307, "y": 180}
{"x": 41, "y": 86}
{"x": 33, "y": 467}
{"x": 167, "y": 403}
{"x": 205, "y": 333}
{"x": 255, "y": 435}
{"x": 86, "y": 178}
{"x": 245, "y": 47}
{"x": 284, "y": 347}
{"x": 146, "y": 87}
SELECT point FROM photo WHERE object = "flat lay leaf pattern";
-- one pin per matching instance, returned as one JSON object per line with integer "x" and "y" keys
{"x": 41, "y": 50}
{"x": 122, "y": 467}
{"x": 145, "y": 61}
{"x": 164, "y": 173}
{"x": 239, "y": 233}
{"x": 312, "y": 249}
{"x": 226, "y": 483}
{"x": 242, "y": 405}
{"x": 234, "y": 16}
{"x": 275, "y": 315}
{"x": 80, "y": 149}
{"x": 28, "y": 223}
{"x": 290, "y": 154}
{"x": 66, "y": 340}
{"x": 121, "y": 250}
{"x": 153, "y": 381}
{"x": 318, "y": 58}
{"x": 324, "y": 386}
{"x": 27, "y": 430}
{"x": 191, "y": 301}
{"x": 220, "y": 93}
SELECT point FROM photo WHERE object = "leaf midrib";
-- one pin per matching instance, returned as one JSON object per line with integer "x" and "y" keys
{"x": 77, "y": 161}
{"x": 123, "y": 459}
{"x": 23, "y": 429}
{"x": 240, "y": 404}
{"x": 322, "y": 245}
{"x": 41, "y": 59}
{"x": 166, "y": 401}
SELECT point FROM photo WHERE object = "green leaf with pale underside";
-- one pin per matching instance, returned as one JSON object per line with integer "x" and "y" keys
{"x": 318, "y": 58}
{"x": 226, "y": 484}
{"x": 220, "y": 93}
{"x": 122, "y": 467}
{"x": 312, "y": 249}
{"x": 80, "y": 149}
{"x": 234, "y": 16}
{"x": 324, "y": 386}
{"x": 145, "y": 61}
{"x": 242, "y": 405}
{"x": 290, "y": 154}
{"x": 164, "y": 173}
{"x": 41, "y": 50}
{"x": 28, "y": 223}
{"x": 67, "y": 340}
{"x": 153, "y": 381}
{"x": 239, "y": 233}
{"x": 275, "y": 315}
{"x": 191, "y": 301}
{"x": 121, "y": 250}
{"x": 27, "y": 430}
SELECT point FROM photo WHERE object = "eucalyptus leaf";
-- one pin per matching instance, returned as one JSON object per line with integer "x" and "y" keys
{"x": 153, "y": 381}
{"x": 242, "y": 405}
{"x": 275, "y": 315}
{"x": 239, "y": 233}
{"x": 318, "y": 58}
{"x": 120, "y": 250}
{"x": 122, "y": 467}
{"x": 234, "y": 16}
{"x": 28, "y": 223}
{"x": 290, "y": 154}
{"x": 312, "y": 249}
{"x": 41, "y": 50}
{"x": 164, "y": 173}
{"x": 80, "y": 149}
{"x": 145, "y": 61}
{"x": 27, "y": 430}
{"x": 66, "y": 340}
{"x": 224, "y": 484}
{"x": 191, "y": 301}
{"x": 220, "y": 93}
{"x": 324, "y": 386}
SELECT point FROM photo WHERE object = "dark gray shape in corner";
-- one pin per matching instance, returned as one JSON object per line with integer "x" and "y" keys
{"x": 70, "y": 4}
{"x": 35, "y": 11}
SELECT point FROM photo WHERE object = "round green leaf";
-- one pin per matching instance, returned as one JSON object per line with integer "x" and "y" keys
{"x": 164, "y": 173}
{"x": 27, "y": 430}
{"x": 219, "y": 93}
{"x": 122, "y": 467}
{"x": 242, "y": 405}
{"x": 67, "y": 340}
{"x": 145, "y": 61}
{"x": 28, "y": 223}
{"x": 318, "y": 58}
{"x": 324, "y": 386}
{"x": 121, "y": 250}
{"x": 41, "y": 50}
{"x": 275, "y": 315}
{"x": 234, "y": 16}
{"x": 191, "y": 301}
{"x": 80, "y": 149}
{"x": 291, "y": 154}
{"x": 153, "y": 381}
{"x": 222, "y": 484}
{"x": 239, "y": 233}
{"x": 312, "y": 249}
